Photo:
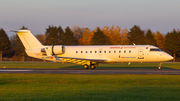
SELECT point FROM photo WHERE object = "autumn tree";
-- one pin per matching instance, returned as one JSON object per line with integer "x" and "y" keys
{"x": 113, "y": 33}
{"x": 136, "y": 35}
{"x": 172, "y": 43}
{"x": 77, "y": 33}
{"x": 100, "y": 39}
{"x": 4, "y": 44}
{"x": 86, "y": 38}
{"x": 149, "y": 38}
{"x": 159, "y": 39}
{"x": 116, "y": 35}
{"x": 124, "y": 38}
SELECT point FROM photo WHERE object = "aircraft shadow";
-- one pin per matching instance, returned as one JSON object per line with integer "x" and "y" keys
{"x": 109, "y": 67}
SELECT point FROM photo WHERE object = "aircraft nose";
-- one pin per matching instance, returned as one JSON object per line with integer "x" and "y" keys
{"x": 168, "y": 57}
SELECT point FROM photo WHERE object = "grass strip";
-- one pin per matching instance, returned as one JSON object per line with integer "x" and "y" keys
{"x": 45, "y": 87}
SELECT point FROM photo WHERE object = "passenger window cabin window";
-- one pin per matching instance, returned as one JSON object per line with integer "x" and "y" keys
{"x": 129, "y": 51}
{"x": 95, "y": 51}
{"x": 114, "y": 51}
{"x": 119, "y": 51}
{"x": 76, "y": 51}
{"x": 109, "y": 51}
{"x": 86, "y": 52}
{"x": 124, "y": 51}
{"x": 81, "y": 51}
{"x": 104, "y": 51}
{"x": 99, "y": 51}
{"x": 90, "y": 51}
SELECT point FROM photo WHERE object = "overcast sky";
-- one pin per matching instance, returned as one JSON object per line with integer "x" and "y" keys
{"x": 162, "y": 15}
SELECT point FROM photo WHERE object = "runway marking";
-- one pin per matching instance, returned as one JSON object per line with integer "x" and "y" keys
{"x": 15, "y": 70}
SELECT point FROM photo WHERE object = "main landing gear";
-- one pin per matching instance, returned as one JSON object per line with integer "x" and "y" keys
{"x": 92, "y": 66}
{"x": 86, "y": 66}
{"x": 159, "y": 66}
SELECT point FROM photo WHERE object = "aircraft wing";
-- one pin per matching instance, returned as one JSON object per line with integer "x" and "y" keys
{"x": 81, "y": 61}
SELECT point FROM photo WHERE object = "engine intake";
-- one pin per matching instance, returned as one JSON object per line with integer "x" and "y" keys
{"x": 56, "y": 50}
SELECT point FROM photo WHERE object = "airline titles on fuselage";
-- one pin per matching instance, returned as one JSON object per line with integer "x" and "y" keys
{"x": 122, "y": 47}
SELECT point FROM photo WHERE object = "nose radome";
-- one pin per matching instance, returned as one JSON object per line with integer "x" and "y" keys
{"x": 168, "y": 57}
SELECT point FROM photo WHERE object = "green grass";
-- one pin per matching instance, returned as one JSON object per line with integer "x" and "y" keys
{"x": 68, "y": 87}
{"x": 46, "y": 87}
{"x": 101, "y": 66}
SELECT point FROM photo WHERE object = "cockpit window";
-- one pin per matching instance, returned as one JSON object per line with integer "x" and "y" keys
{"x": 155, "y": 49}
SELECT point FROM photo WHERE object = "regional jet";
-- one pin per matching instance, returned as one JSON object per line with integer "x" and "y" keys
{"x": 91, "y": 56}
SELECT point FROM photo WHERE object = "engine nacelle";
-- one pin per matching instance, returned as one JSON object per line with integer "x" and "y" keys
{"x": 56, "y": 50}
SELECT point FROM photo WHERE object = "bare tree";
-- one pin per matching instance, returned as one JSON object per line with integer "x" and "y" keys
{"x": 41, "y": 38}
{"x": 78, "y": 32}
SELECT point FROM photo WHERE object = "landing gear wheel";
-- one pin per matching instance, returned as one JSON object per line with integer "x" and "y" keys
{"x": 86, "y": 66}
{"x": 159, "y": 67}
{"x": 93, "y": 66}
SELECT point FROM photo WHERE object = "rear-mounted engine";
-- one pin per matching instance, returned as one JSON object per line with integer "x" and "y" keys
{"x": 56, "y": 50}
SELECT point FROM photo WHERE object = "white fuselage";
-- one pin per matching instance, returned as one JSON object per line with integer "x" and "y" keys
{"x": 117, "y": 53}
{"x": 110, "y": 53}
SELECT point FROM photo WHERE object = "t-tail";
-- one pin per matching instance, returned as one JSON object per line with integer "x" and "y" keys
{"x": 35, "y": 49}
{"x": 28, "y": 39}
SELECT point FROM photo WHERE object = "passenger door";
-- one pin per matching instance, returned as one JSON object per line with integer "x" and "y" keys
{"x": 140, "y": 54}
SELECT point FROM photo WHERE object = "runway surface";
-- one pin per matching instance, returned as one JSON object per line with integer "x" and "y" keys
{"x": 95, "y": 71}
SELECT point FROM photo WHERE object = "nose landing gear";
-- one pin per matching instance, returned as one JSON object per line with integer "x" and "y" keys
{"x": 159, "y": 66}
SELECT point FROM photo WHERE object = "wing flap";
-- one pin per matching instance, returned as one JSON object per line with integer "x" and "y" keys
{"x": 82, "y": 61}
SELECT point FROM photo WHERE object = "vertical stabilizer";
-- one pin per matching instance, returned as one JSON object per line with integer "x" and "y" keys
{"x": 28, "y": 39}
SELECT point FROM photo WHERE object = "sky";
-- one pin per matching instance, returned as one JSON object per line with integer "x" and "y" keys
{"x": 37, "y": 15}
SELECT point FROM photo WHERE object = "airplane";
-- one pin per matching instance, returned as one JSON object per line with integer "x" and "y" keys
{"x": 91, "y": 56}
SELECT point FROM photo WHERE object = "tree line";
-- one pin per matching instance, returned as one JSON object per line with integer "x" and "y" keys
{"x": 114, "y": 35}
